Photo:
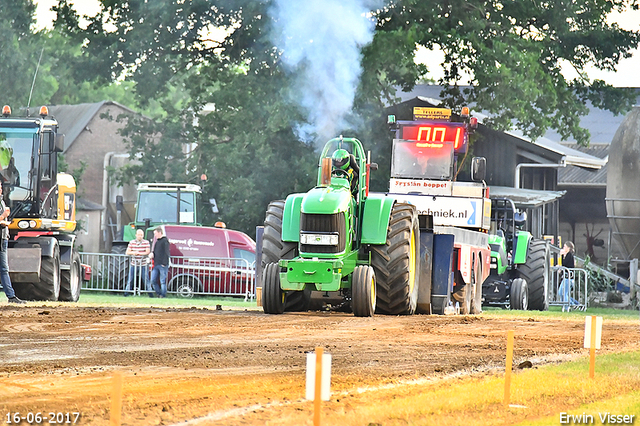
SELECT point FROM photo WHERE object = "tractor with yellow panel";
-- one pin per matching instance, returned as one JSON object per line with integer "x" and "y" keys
{"x": 44, "y": 262}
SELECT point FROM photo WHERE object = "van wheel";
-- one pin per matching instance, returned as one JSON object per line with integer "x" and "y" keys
{"x": 185, "y": 287}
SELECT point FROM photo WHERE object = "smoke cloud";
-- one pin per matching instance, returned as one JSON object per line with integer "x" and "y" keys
{"x": 321, "y": 40}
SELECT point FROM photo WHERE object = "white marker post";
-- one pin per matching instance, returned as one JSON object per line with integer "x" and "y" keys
{"x": 592, "y": 338}
{"x": 318, "y": 380}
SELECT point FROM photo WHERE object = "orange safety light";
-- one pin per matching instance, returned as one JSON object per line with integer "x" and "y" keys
{"x": 465, "y": 112}
{"x": 44, "y": 111}
{"x": 220, "y": 225}
{"x": 6, "y": 110}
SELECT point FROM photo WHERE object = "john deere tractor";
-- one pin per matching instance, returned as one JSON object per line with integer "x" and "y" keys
{"x": 519, "y": 263}
{"x": 339, "y": 238}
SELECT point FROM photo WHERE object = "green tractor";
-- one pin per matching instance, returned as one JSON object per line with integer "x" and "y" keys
{"x": 339, "y": 239}
{"x": 519, "y": 263}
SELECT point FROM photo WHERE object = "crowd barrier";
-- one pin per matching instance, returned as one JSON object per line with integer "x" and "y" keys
{"x": 187, "y": 276}
{"x": 569, "y": 288}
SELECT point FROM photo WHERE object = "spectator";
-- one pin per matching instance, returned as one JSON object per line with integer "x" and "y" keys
{"x": 568, "y": 282}
{"x": 139, "y": 250}
{"x": 4, "y": 263}
{"x": 160, "y": 256}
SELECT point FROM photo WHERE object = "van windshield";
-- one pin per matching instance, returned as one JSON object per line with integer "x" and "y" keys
{"x": 162, "y": 207}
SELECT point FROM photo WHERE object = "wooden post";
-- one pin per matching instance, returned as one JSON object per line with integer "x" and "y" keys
{"x": 508, "y": 367}
{"x": 116, "y": 399}
{"x": 317, "y": 400}
{"x": 592, "y": 349}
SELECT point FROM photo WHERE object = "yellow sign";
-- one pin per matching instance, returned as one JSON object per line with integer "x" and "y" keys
{"x": 425, "y": 113}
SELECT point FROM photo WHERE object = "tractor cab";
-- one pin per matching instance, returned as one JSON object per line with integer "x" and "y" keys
{"x": 28, "y": 168}
{"x": 343, "y": 164}
{"x": 506, "y": 229}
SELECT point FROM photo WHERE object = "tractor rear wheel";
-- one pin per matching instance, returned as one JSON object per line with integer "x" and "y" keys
{"x": 363, "y": 291}
{"x": 396, "y": 263}
{"x": 70, "y": 281}
{"x": 49, "y": 286}
{"x": 272, "y": 294}
{"x": 118, "y": 267}
{"x": 274, "y": 249}
{"x": 535, "y": 273}
{"x": 519, "y": 295}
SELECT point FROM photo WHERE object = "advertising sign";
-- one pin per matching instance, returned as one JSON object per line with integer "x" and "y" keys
{"x": 448, "y": 211}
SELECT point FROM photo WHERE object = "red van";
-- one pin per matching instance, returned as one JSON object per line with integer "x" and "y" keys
{"x": 210, "y": 261}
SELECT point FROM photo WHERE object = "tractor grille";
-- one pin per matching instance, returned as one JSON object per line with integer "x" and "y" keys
{"x": 324, "y": 223}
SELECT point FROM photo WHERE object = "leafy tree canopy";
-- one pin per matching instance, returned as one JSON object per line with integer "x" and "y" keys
{"x": 514, "y": 50}
{"x": 247, "y": 143}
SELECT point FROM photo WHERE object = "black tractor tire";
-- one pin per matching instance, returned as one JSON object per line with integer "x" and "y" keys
{"x": 476, "y": 302}
{"x": 118, "y": 268}
{"x": 363, "y": 291}
{"x": 274, "y": 249}
{"x": 272, "y": 294}
{"x": 396, "y": 263}
{"x": 519, "y": 295}
{"x": 535, "y": 272}
{"x": 71, "y": 281}
{"x": 49, "y": 286}
{"x": 463, "y": 294}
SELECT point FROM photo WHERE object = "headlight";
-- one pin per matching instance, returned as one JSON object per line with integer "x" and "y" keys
{"x": 319, "y": 239}
{"x": 23, "y": 224}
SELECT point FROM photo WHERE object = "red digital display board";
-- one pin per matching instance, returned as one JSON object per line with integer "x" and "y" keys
{"x": 433, "y": 134}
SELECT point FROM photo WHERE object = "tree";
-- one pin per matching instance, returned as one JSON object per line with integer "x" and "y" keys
{"x": 49, "y": 60}
{"x": 514, "y": 50}
{"x": 247, "y": 144}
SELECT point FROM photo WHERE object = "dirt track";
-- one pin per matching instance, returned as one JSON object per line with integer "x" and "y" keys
{"x": 181, "y": 364}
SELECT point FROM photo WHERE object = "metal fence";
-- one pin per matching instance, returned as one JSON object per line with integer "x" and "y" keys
{"x": 186, "y": 277}
{"x": 569, "y": 288}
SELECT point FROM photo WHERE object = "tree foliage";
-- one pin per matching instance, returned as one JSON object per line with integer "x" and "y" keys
{"x": 514, "y": 51}
{"x": 232, "y": 98}
{"x": 50, "y": 61}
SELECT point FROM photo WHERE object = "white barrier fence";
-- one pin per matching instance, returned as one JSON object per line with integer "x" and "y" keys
{"x": 186, "y": 277}
{"x": 569, "y": 288}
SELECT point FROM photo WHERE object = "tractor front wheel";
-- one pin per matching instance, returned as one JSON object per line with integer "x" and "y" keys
{"x": 363, "y": 291}
{"x": 70, "y": 281}
{"x": 272, "y": 294}
{"x": 519, "y": 295}
{"x": 274, "y": 249}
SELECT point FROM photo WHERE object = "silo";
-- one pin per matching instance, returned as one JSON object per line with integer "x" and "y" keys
{"x": 623, "y": 185}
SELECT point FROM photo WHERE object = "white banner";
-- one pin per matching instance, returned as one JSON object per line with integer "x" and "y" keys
{"x": 448, "y": 211}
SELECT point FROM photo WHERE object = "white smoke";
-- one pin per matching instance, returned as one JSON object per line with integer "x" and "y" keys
{"x": 322, "y": 39}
